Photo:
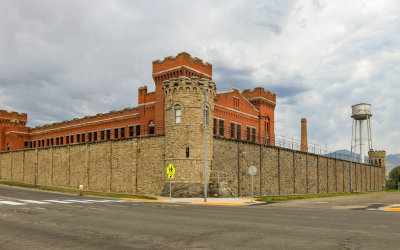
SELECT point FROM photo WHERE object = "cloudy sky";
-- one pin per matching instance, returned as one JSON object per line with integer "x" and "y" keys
{"x": 66, "y": 59}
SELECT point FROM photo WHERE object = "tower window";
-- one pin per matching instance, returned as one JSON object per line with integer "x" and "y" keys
{"x": 187, "y": 152}
{"x": 178, "y": 114}
{"x": 151, "y": 128}
{"x": 206, "y": 115}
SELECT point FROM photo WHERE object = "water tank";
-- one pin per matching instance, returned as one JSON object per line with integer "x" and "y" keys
{"x": 361, "y": 111}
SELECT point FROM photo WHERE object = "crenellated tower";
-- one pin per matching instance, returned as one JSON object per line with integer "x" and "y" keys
{"x": 182, "y": 64}
{"x": 13, "y": 130}
{"x": 184, "y": 132}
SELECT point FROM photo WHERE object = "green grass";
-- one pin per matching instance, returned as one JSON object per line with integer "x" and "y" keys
{"x": 74, "y": 191}
{"x": 310, "y": 196}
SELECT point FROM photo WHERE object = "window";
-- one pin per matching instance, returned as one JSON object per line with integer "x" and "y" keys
{"x": 48, "y": 142}
{"x": 38, "y": 144}
{"x": 380, "y": 162}
{"x": 151, "y": 128}
{"x": 83, "y": 137}
{"x": 239, "y": 131}
{"x": 95, "y": 136}
{"x": 43, "y": 143}
{"x": 248, "y": 133}
{"x": 187, "y": 152}
{"x": 108, "y": 134}
{"x": 30, "y": 144}
{"x": 122, "y": 132}
{"x": 206, "y": 115}
{"x": 61, "y": 140}
{"x": 137, "y": 130}
{"x": 72, "y": 138}
{"x": 236, "y": 102}
{"x": 90, "y": 136}
{"x": 102, "y": 135}
{"x": 253, "y": 135}
{"x": 116, "y": 133}
{"x": 67, "y": 139}
{"x": 52, "y": 141}
{"x": 57, "y": 141}
{"x": 232, "y": 130}
{"x": 178, "y": 114}
{"x": 130, "y": 131}
{"x": 78, "y": 138}
{"x": 26, "y": 144}
{"x": 34, "y": 144}
{"x": 215, "y": 126}
{"x": 221, "y": 127}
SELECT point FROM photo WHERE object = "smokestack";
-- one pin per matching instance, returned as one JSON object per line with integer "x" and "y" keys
{"x": 304, "y": 147}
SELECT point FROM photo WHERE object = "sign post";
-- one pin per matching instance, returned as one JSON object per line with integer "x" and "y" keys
{"x": 252, "y": 172}
{"x": 170, "y": 173}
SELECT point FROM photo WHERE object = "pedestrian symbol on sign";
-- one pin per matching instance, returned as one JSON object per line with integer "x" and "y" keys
{"x": 170, "y": 170}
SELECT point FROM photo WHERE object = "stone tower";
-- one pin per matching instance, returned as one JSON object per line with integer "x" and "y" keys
{"x": 184, "y": 132}
{"x": 378, "y": 158}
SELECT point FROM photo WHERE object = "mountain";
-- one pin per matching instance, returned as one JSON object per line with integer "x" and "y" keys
{"x": 392, "y": 160}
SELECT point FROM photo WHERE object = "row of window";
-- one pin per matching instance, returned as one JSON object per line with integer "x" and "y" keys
{"x": 88, "y": 137}
{"x": 235, "y": 130}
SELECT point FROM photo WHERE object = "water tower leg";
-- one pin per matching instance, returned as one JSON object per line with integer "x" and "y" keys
{"x": 362, "y": 141}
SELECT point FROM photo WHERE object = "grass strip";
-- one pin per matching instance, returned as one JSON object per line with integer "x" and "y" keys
{"x": 74, "y": 191}
{"x": 310, "y": 196}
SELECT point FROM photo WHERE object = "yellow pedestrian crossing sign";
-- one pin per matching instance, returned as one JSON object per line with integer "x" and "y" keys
{"x": 170, "y": 176}
{"x": 170, "y": 171}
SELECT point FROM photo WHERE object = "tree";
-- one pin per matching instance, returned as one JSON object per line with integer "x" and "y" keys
{"x": 394, "y": 178}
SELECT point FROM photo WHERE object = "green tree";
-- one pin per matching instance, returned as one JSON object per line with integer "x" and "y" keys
{"x": 394, "y": 178}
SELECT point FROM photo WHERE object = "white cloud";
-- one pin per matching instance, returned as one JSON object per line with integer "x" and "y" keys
{"x": 63, "y": 59}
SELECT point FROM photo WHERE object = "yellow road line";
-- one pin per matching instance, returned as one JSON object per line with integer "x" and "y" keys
{"x": 149, "y": 200}
{"x": 393, "y": 207}
{"x": 11, "y": 198}
{"x": 221, "y": 203}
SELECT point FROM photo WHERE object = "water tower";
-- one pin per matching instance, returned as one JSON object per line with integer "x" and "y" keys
{"x": 360, "y": 113}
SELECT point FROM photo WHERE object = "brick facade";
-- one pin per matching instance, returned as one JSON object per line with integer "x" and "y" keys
{"x": 248, "y": 115}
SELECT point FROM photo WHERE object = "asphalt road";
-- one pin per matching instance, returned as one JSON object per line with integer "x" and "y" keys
{"x": 95, "y": 223}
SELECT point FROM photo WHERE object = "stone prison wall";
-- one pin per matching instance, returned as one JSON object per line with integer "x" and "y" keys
{"x": 133, "y": 166}
{"x": 282, "y": 171}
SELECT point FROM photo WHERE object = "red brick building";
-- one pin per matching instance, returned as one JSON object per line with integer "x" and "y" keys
{"x": 246, "y": 115}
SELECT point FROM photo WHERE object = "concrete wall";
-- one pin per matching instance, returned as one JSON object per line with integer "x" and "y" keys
{"x": 282, "y": 171}
{"x": 134, "y": 165}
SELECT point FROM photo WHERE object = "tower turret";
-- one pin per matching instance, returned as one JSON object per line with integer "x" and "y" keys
{"x": 184, "y": 131}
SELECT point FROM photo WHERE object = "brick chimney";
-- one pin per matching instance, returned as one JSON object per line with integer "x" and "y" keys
{"x": 304, "y": 135}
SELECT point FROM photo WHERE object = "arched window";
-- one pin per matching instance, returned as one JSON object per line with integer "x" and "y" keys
{"x": 178, "y": 114}
{"x": 151, "y": 128}
{"x": 206, "y": 115}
